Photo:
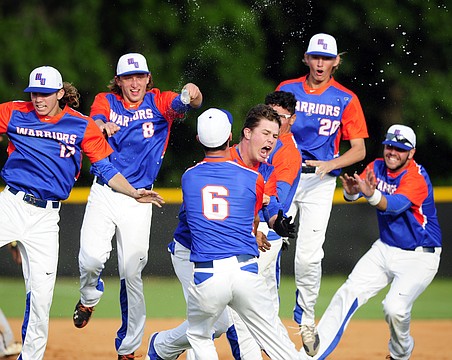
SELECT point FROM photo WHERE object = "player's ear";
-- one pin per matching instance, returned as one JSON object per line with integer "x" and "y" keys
{"x": 411, "y": 154}
{"x": 247, "y": 133}
{"x": 197, "y": 138}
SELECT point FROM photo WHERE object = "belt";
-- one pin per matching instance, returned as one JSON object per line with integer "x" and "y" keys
{"x": 30, "y": 199}
{"x": 426, "y": 249}
{"x": 209, "y": 264}
{"x": 305, "y": 169}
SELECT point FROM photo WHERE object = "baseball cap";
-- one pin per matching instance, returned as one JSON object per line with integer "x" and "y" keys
{"x": 323, "y": 45}
{"x": 132, "y": 63}
{"x": 400, "y": 136}
{"x": 214, "y": 127}
{"x": 45, "y": 79}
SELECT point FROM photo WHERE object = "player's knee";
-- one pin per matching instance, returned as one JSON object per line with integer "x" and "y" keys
{"x": 90, "y": 264}
{"x": 395, "y": 311}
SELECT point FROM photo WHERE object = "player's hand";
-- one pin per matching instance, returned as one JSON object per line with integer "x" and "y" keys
{"x": 367, "y": 185}
{"x": 350, "y": 184}
{"x": 283, "y": 227}
{"x": 266, "y": 200}
{"x": 262, "y": 243}
{"x": 149, "y": 196}
{"x": 109, "y": 128}
{"x": 323, "y": 167}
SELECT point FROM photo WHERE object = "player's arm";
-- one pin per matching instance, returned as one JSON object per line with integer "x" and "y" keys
{"x": 100, "y": 113}
{"x": 356, "y": 153}
{"x": 111, "y": 176}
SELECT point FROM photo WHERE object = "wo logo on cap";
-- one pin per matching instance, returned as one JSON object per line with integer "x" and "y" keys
{"x": 322, "y": 42}
{"x": 132, "y": 62}
{"x": 39, "y": 77}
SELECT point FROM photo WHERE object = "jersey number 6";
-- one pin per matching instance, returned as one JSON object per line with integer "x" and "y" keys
{"x": 214, "y": 206}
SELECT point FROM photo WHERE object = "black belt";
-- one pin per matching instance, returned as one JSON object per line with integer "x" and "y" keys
{"x": 209, "y": 264}
{"x": 30, "y": 199}
{"x": 427, "y": 249}
{"x": 305, "y": 169}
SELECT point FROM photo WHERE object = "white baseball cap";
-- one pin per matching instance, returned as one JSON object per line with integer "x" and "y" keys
{"x": 214, "y": 127}
{"x": 323, "y": 45}
{"x": 132, "y": 63}
{"x": 400, "y": 136}
{"x": 45, "y": 79}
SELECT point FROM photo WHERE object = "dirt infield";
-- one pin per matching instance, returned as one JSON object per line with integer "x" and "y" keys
{"x": 363, "y": 340}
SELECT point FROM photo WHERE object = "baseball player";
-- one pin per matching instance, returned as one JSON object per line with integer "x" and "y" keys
{"x": 137, "y": 119}
{"x": 327, "y": 113}
{"x": 171, "y": 343}
{"x": 221, "y": 199}
{"x": 46, "y": 141}
{"x": 286, "y": 160}
{"x": 406, "y": 255}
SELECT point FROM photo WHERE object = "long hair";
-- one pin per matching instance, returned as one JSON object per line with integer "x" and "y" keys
{"x": 71, "y": 96}
{"x": 114, "y": 88}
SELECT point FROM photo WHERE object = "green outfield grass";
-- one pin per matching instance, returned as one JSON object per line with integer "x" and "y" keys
{"x": 164, "y": 298}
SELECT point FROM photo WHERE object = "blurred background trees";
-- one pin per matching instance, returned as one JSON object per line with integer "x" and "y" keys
{"x": 396, "y": 59}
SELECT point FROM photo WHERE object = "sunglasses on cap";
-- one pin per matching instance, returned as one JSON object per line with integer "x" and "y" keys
{"x": 399, "y": 139}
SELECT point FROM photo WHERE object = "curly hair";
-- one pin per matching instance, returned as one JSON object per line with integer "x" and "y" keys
{"x": 71, "y": 96}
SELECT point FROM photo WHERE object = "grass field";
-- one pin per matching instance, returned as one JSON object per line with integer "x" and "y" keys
{"x": 164, "y": 298}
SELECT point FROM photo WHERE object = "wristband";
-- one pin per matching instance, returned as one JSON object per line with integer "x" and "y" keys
{"x": 350, "y": 197}
{"x": 375, "y": 198}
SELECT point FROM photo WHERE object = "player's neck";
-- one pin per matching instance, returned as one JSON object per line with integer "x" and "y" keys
{"x": 243, "y": 149}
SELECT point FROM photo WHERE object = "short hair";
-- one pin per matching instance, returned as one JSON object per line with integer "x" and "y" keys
{"x": 256, "y": 114}
{"x": 284, "y": 99}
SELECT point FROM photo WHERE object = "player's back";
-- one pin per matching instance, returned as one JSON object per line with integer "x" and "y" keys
{"x": 221, "y": 198}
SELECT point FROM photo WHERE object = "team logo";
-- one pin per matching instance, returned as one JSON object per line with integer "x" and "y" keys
{"x": 39, "y": 78}
{"x": 132, "y": 62}
{"x": 322, "y": 43}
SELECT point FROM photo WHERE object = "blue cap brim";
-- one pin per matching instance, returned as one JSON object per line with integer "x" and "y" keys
{"x": 397, "y": 145}
{"x": 320, "y": 53}
{"x": 40, "y": 90}
{"x": 133, "y": 72}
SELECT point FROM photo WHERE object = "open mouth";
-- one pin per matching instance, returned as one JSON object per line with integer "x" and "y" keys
{"x": 265, "y": 151}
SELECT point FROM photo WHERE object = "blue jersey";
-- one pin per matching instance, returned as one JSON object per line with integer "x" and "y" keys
{"x": 45, "y": 153}
{"x": 325, "y": 116}
{"x": 407, "y": 228}
{"x": 221, "y": 199}
{"x": 140, "y": 145}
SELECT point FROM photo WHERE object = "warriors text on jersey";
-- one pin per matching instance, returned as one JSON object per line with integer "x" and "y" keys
{"x": 325, "y": 116}
{"x": 140, "y": 149}
{"x": 45, "y": 153}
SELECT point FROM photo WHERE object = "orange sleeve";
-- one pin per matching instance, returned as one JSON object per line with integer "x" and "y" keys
{"x": 94, "y": 144}
{"x": 287, "y": 163}
{"x": 100, "y": 109}
{"x": 353, "y": 121}
{"x": 6, "y": 109}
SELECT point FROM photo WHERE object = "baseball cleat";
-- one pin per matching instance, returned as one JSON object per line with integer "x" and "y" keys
{"x": 128, "y": 356}
{"x": 310, "y": 339}
{"x": 82, "y": 314}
